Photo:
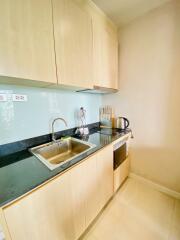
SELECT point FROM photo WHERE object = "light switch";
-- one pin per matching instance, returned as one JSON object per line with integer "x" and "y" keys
{"x": 19, "y": 98}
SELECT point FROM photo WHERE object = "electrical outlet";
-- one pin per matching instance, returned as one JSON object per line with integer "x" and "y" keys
{"x": 19, "y": 98}
{"x": 3, "y": 97}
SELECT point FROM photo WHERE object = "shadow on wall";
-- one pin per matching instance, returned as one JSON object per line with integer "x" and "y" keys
{"x": 161, "y": 162}
{"x": 149, "y": 93}
{"x": 152, "y": 162}
{"x": 173, "y": 105}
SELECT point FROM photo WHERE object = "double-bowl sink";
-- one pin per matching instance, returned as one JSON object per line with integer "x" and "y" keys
{"x": 55, "y": 154}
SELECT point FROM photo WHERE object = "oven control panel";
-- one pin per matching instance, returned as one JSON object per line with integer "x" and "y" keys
{"x": 120, "y": 143}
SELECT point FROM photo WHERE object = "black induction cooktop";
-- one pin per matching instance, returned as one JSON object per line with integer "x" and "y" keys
{"x": 111, "y": 131}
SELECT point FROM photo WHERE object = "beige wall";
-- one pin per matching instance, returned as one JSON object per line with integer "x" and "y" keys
{"x": 150, "y": 93}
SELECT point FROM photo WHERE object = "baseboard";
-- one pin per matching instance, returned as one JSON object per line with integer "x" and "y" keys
{"x": 156, "y": 186}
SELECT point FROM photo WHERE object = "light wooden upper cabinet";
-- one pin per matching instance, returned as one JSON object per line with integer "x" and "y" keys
{"x": 50, "y": 41}
{"x": 26, "y": 40}
{"x": 73, "y": 43}
{"x": 105, "y": 52}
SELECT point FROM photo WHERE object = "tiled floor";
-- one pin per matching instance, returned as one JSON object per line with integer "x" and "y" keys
{"x": 138, "y": 212}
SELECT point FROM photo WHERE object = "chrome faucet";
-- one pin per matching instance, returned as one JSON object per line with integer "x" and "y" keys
{"x": 53, "y": 133}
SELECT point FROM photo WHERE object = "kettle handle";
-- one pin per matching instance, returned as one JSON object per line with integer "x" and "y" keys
{"x": 127, "y": 123}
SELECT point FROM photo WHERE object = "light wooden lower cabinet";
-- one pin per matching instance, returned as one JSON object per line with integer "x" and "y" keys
{"x": 121, "y": 173}
{"x": 91, "y": 189}
{"x": 84, "y": 189}
{"x": 105, "y": 173}
{"x": 44, "y": 214}
{"x": 78, "y": 199}
{"x": 63, "y": 208}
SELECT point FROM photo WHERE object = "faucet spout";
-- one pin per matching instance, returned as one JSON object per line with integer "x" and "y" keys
{"x": 53, "y": 132}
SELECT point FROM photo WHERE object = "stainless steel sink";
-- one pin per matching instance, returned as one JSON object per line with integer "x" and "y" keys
{"x": 54, "y": 154}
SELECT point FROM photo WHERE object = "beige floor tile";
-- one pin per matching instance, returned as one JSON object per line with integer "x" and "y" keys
{"x": 150, "y": 206}
{"x": 90, "y": 237}
{"x": 120, "y": 222}
{"x": 137, "y": 212}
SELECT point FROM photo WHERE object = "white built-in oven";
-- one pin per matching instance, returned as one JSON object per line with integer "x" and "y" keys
{"x": 120, "y": 161}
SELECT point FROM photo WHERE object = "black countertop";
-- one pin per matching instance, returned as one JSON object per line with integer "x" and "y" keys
{"x": 20, "y": 172}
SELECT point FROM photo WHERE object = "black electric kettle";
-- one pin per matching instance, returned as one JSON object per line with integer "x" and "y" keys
{"x": 122, "y": 123}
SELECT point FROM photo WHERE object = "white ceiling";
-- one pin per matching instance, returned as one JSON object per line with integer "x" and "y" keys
{"x": 123, "y": 11}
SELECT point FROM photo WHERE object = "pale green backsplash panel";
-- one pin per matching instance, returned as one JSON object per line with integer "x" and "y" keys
{"x": 22, "y": 120}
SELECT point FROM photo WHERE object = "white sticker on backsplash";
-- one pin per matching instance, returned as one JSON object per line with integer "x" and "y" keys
{"x": 3, "y": 97}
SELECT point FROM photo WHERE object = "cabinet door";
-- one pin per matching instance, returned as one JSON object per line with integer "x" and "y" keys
{"x": 78, "y": 198}
{"x": 44, "y": 214}
{"x": 92, "y": 200}
{"x": 105, "y": 55}
{"x": 73, "y": 43}
{"x": 26, "y": 40}
{"x": 121, "y": 173}
{"x": 105, "y": 172}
